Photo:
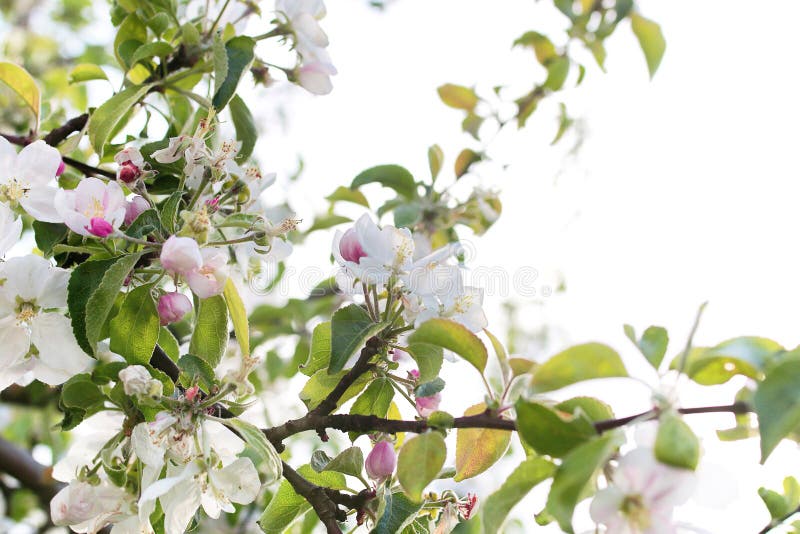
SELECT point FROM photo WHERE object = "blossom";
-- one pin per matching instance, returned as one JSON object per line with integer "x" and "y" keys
{"x": 181, "y": 255}
{"x": 427, "y": 405}
{"x": 37, "y": 343}
{"x": 315, "y": 77}
{"x": 92, "y": 199}
{"x": 136, "y": 380}
{"x": 26, "y": 178}
{"x": 386, "y": 251}
{"x": 10, "y": 229}
{"x": 209, "y": 279}
{"x": 442, "y": 293}
{"x": 135, "y": 207}
{"x": 381, "y": 461}
{"x": 172, "y": 307}
{"x": 88, "y": 507}
{"x": 641, "y": 496}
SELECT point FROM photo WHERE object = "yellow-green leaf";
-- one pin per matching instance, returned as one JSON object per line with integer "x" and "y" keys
{"x": 419, "y": 461}
{"x": 24, "y": 85}
{"x": 458, "y": 96}
{"x": 650, "y": 39}
{"x": 477, "y": 449}
{"x": 238, "y": 316}
{"x": 578, "y": 363}
{"x": 454, "y": 337}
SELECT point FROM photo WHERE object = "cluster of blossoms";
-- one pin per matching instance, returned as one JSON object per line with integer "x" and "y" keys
{"x": 301, "y": 19}
{"x": 391, "y": 259}
{"x": 200, "y": 459}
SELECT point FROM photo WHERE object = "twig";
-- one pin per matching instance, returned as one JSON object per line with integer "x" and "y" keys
{"x": 779, "y": 521}
{"x": 319, "y": 499}
{"x": 30, "y": 473}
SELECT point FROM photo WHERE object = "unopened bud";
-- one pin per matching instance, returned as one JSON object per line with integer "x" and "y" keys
{"x": 100, "y": 227}
{"x": 381, "y": 461}
{"x": 172, "y": 307}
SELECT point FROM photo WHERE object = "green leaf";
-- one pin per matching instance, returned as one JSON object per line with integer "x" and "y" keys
{"x": 477, "y": 449}
{"x": 48, "y": 235}
{"x": 429, "y": 360}
{"x": 458, "y": 96}
{"x": 575, "y": 364}
{"x": 777, "y": 404}
{"x": 85, "y": 72}
{"x": 286, "y": 505}
{"x": 454, "y": 337}
{"x": 435, "y": 160}
{"x": 650, "y": 39}
{"x": 652, "y": 345}
{"x": 322, "y": 383}
{"x": 399, "y": 513}
{"x": 676, "y": 444}
{"x": 135, "y": 329}
{"x": 391, "y": 176}
{"x": 82, "y": 282}
{"x": 169, "y": 211}
{"x": 245, "y": 127}
{"x": 349, "y": 462}
{"x": 107, "y": 116}
{"x": 428, "y": 389}
{"x": 80, "y": 392}
{"x": 407, "y": 215}
{"x": 319, "y": 355}
{"x": 155, "y": 49}
{"x": 419, "y": 462}
{"x": 101, "y": 301}
{"x": 169, "y": 344}
{"x": 500, "y": 351}
{"x": 575, "y": 473}
{"x": 746, "y": 356}
{"x": 195, "y": 370}
{"x": 239, "y": 53}
{"x": 528, "y": 474}
{"x": 375, "y": 400}
{"x": 238, "y": 316}
{"x": 351, "y": 327}
{"x": 131, "y": 34}
{"x": 146, "y": 223}
{"x": 551, "y": 431}
{"x": 328, "y": 220}
{"x": 265, "y": 450}
{"x": 557, "y": 71}
{"x": 210, "y": 336}
{"x": 344, "y": 194}
{"x": 22, "y": 83}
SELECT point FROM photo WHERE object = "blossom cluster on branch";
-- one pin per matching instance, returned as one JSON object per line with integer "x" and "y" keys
{"x": 128, "y": 319}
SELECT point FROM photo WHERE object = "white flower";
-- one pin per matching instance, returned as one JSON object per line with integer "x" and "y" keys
{"x": 372, "y": 254}
{"x": 136, "y": 380}
{"x": 315, "y": 77}
{"x": 10, "y": 229}
{"x": 441, "y": 293}
{"x": 642, "y": 495}
{"x": 36, "y": 343}
{"x": 26, "y": 178}
{"x": 88, "y": 508}
{"x": 303, "y": 17}
{"x": 92, "y": 208}
{"x": 180, "y": 255}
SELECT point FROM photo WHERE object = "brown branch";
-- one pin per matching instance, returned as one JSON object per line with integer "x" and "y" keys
{"x": 19, "y": 464}
{"x": 319, "y": 499}
{"x": 608, "y": 424}
{"x": 57, "y": 135}
{"x": 372, "y": 347}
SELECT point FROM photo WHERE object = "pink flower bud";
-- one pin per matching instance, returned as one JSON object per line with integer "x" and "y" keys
{"x": 134, "y": 208}
{"x": 61, "y": 168}
{"x": 428, "y": 405}
{"x": 400, "y": 355}
{"x": 381, "y": 461}
{"x": 181, "y": 255}
{"x": 172, "y": 307}
{"x": 350, "y": 247}
{"x": 100, "y": 227}
{"x": 128, "y": 173}
{"x": 414, "y": 374}
{"x": 212, "y": 204}
{"x": 192, "y": 392}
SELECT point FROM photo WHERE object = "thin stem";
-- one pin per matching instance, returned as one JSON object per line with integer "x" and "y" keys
{"x": 369, "y": 304}
{"x": 243, "y": 239}
{"x": 778, "y": 521}
{"x": 219, "y": 17}
{"x": 688, "y": 347}
{"x": 137, "y": 240}
{"x": 277, "y": 32}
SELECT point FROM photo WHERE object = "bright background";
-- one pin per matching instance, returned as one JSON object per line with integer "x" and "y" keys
{"x": 684, "y": 191}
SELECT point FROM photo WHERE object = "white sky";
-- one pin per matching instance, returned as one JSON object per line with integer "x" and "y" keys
{"x": 685, "y": 190}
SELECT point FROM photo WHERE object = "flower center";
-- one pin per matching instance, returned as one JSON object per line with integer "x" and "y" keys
{"x": 26, "y": 311}
{"x": 462, "y": 304}
{"x": 635, "y": 510}
{"x": 95, "y": 209}
{"x": 12, "y": 191}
